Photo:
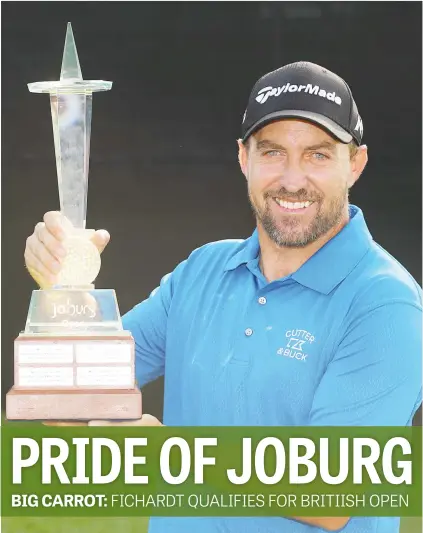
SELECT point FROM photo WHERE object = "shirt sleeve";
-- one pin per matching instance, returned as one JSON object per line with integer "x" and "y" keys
{"x": 147, "y": 323}
{"x": 375, "y": 376}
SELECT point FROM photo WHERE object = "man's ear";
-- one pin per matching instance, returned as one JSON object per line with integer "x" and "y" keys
{"x": 242, "y": 157}
{"x": 358, "y": 164}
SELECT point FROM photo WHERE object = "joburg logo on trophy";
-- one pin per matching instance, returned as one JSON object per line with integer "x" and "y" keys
{"x": 74, "y": 360}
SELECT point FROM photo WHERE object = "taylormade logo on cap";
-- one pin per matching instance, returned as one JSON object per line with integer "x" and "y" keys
{"x": 265, "y": 93}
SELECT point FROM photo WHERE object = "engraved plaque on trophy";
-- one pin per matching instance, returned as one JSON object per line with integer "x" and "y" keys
{"x": 73, "y": 361}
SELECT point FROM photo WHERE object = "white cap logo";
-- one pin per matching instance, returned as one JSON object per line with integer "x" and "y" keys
{"x": 359, "y": 126}
{"x": 267, "y": 92}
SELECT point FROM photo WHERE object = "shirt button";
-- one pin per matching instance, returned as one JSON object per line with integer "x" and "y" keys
{"x": 262, "y": 300}
{"x": 248, "y": 332}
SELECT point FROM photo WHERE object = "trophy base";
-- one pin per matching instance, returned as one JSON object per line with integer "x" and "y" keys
{"x": 82, "y": 405}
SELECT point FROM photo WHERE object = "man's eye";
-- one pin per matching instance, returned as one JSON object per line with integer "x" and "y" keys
{"x": 320, "y": 156}
{"x": 272, "y": 153}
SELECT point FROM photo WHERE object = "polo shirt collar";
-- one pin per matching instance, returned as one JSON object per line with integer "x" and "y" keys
{"x": 247, "y": 251}
{"x": 330, "y": 265}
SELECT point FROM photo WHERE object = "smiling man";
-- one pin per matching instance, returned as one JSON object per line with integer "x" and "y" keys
{"x": 307, "y": 322}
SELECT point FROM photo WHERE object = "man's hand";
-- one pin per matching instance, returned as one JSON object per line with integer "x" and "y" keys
{"x": 329, "y": 524}
{"x": 145, "y": 420}
{"x": 44, "y": 250}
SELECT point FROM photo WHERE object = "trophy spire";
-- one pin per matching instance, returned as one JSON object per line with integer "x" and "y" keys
{"x": 71, "y": 110}
{"x": 71, "y": 69}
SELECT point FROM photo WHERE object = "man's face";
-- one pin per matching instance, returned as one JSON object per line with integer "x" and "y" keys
{"x": 298, "y": 179}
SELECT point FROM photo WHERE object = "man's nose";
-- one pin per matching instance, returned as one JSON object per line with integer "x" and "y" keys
{"x": 292, "y": 176}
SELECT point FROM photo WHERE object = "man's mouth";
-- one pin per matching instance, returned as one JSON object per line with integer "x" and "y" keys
{"x": 293, "y": 207}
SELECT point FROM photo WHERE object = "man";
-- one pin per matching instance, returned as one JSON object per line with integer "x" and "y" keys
{"x": 307, "y": 322}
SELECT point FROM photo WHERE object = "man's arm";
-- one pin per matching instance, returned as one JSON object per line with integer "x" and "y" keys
{"x": 374, "y": 378}
{"x": 147, "y": 323}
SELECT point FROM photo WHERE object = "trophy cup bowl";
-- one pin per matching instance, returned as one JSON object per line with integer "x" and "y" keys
{"x": 74, "y": 360}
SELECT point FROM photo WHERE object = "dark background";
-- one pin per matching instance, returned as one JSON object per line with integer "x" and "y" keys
{"x": 164, "y": 177}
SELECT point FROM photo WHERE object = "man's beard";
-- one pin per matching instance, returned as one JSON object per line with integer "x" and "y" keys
{"x": 286, "y": 236}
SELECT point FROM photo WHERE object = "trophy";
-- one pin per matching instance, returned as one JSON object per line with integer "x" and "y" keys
{"x": 74, "y": 360}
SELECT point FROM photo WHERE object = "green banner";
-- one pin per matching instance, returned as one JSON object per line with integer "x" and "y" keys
{"x": 202, "y": 471}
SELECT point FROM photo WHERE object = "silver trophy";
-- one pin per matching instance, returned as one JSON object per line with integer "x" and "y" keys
{"x": 74, "y": 361}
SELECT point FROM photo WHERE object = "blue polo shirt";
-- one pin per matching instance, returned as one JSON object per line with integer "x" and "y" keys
{"x": 338, "y": 342}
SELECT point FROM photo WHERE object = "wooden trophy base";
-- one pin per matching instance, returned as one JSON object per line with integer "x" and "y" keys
{"x": 74, "y": 362}
{"x": 80, "y": 404}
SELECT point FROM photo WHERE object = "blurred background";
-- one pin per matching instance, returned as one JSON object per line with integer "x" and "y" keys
{"x": 164, "y": 177}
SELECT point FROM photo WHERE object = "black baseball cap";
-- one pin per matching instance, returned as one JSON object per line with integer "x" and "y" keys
{"x": 307, "y": 91}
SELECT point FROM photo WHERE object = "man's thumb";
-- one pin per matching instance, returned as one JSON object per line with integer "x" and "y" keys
{"x": 101, "y": 238}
